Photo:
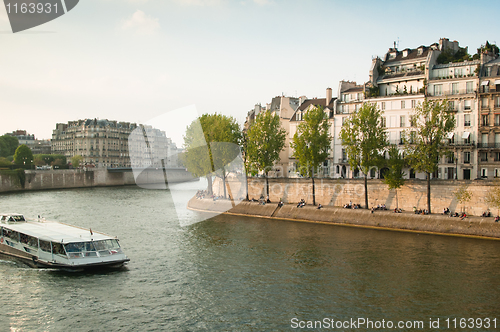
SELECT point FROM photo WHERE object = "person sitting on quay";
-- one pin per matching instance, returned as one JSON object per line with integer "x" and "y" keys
{"x": 463, "y": 216}
{"x": 446, "y": 211}
{"x": 320, "y": 206}
{"x": 302, "y": 203}
{"x": 280, "y": 203}
{"x": 268, "y": 200}
{"x": 497, "y": 218}
{"x": 486, "y": 214}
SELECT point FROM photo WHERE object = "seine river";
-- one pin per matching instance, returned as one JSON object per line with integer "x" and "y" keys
{"x": 244, "y": 274}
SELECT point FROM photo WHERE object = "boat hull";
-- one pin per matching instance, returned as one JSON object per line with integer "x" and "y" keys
{"x": 34, "y": 262}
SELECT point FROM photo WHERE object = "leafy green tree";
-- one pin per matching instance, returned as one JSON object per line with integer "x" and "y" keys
{"x": 394, "y": 178}
{"x": 311, "y": 143}
{"x": 493, "y": 196}
{"x": 211, "y": 142}
{"x": 8, "y": 145}
{"x": 266, "y": 139}
{"x": 76, "y": 161}
{"x": 365, "y": 139}
{"x": 4, "y": 162}
{"x": 463, "y": 195}
{"x": 426, "y": 142}
{"x": 23, "y": 156}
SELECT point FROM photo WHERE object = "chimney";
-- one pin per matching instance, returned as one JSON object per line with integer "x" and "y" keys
{"x": 328, "y": 96}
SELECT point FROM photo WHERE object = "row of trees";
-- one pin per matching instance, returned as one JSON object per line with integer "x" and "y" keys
{"x": 362, "y": 134}
{"x": 425, "y": 143}
{"x": 205, "y": 155}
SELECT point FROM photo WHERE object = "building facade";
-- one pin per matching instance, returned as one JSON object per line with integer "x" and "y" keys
{"x": 105, "y": 143}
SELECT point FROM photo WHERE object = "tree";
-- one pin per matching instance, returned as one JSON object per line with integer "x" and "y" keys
{"x": 463, "y": 195}
{"x": 23, "y": 156}
{"x": 76, "y": 161}
{"x": 311, "y": 143}
{"x": 8, "y": 145}
{"x": 426, "y": 141}
{"x": 266, "y": 139}
{"x": 394, "y": 177}
{"x": 364, "y": 138}
{"x": 493, "y": 197}
{"x": 211, "y": 142}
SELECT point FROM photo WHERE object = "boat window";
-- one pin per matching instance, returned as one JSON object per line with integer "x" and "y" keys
{"x": 106, "y": 244}
{"x": 58, "y": 249}
{"x": 18, "y": 218}
{"x": 29, "y": 240}
{"x": 45, "y": 245}
{"x": 3, "y": 218}
{"x": 13, "y": 235}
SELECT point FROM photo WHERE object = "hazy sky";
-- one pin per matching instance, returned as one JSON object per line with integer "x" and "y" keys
{"x": 135, "y": 60}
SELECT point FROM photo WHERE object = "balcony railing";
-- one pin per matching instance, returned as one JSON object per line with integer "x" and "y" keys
{"x": 450, "y": 92}
{"x": 342, "y": 161}
{"x": 488, "y": 145}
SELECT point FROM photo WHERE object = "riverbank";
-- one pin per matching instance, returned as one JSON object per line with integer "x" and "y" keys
{"x": 31, "y": 180}
{"x": 485, "y": 228}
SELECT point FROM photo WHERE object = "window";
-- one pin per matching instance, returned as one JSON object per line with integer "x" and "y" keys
{"x": 384, "y": 122}
{"x": 372, "y": 173}
{"x": 344, "y": 155}
{"x": 413, "y": 103}
{"x": 484, "y": 173}
{"x": 469, "y": 87}
{"x": 360, "y": 96}
{"x": 413, "y": 121}
{"x": 403, "y": 104}
{"x": 484, "y": 156}
{"x": 484, "y": 119}
{"x": 458, "y": 72}
{"x": 467, "y": 157}
{"x": 451, "y": 158}
{"x": 451, "y": 104}
{"x": 487, "y": 71}
{"x": 357, "y": 107}
{"x": 467, "y": 105}
{"x": 484, "y": 102}
{"x": 466, "y": 120}
{"x": 497, "y": 119}
{"x": 454, "y": 88}
{"x": 438, "y": 90}
{"x": 383, "y": 105}
{"x": 401, "y": 137}
{"x": 412, "y": 173}
{"x": 497, "y": 156}
{"x": 497, "y": 101}
{"x": 402, "y": 121}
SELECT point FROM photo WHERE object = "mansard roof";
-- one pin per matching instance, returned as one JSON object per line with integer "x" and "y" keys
{"x": 412, "y": 54}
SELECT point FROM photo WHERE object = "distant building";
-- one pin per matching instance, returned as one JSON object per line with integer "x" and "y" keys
{"x": 37, "y": 146}
{"x": 104, "y": 143}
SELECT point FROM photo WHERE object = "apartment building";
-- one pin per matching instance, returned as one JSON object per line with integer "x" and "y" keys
{"x": 104, "y": 143}
{"x": 489, "y": 117}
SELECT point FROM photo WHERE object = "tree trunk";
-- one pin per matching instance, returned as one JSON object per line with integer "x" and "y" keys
{"x": 246, "y": 186}
{"x": 267, "y": 185}
{"x": 429, "y": 192}
{"x": 314, "y": 187}
{"x": 366, "y": 191}
{"x": 397, "y": 203}
{"x": 209, "y": 186}
{"x": 224, "y": 181}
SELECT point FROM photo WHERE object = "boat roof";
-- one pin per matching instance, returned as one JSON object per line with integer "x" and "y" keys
{"x": 55, "y": 231}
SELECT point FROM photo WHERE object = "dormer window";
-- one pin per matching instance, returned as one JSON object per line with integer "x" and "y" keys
{"x": 420, "y": 51}
{"x": 405, "y": 53}
{"x": 392, "y": 56}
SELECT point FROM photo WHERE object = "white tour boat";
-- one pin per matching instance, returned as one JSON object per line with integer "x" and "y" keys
{"x": 48, "y": 244}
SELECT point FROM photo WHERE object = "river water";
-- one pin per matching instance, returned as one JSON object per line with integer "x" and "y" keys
{"x": 241, "y": 274}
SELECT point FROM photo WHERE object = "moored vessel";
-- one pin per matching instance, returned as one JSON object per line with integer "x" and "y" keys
{"x": 49, "y": 244}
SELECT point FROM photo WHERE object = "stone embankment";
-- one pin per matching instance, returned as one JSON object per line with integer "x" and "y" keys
{"x": 78, "y": 178}
{"x": 387, "y": 220}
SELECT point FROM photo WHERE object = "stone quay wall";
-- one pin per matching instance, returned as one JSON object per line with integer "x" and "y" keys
{"x": 386, "y": 220}
{"x": 78, "y": 178}
{"x": 337, "y": 192}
